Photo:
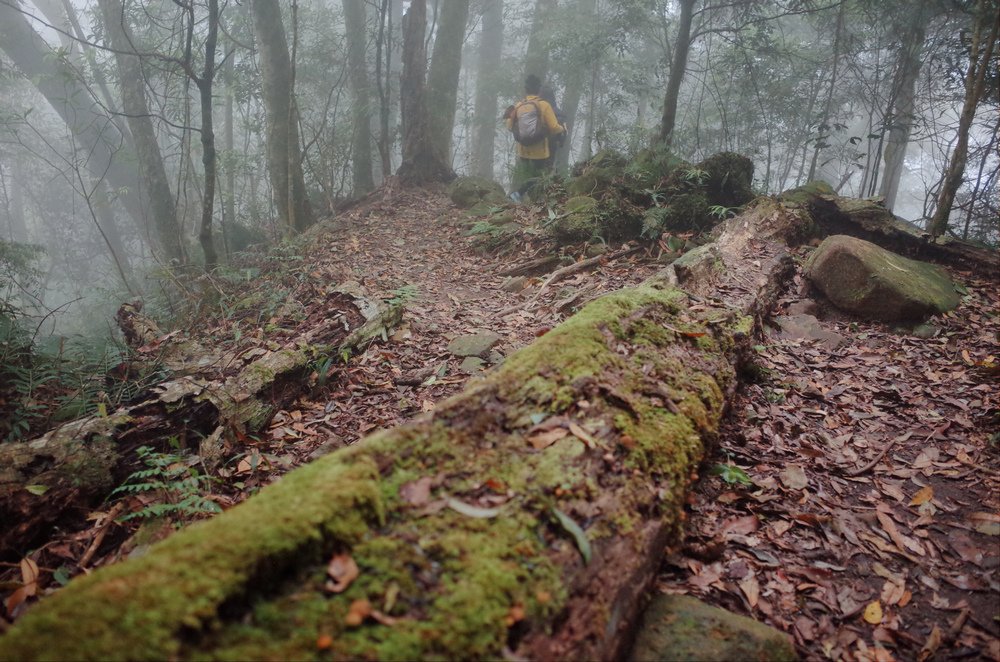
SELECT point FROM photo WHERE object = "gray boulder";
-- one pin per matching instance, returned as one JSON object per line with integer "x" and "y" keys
{"x": 468, "y": 191}
{"x": 861, "y": 278}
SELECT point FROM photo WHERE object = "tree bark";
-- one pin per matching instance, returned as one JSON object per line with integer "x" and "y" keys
{"x": 901, "y": 115}
{"x": 151, "y": 169}
{"x": 528, "y": 514}
{"x": 442, "y": 80}
{"x": 205, "y": 82}
{"x": 357, "y": 62}
{"x": 536, "y": 60}
{"x": 82, "y": 461}
{"x": 83, "y": 116}
{"x": 980, "y": 54}
{"x": 828, "y": 107}
{"x": 283, "y": 153}
{"x": 570, "y": 103}
{"x": 422, "y": 162}
{"x": 487, "y": 109}
{"x": 682, "y": 46}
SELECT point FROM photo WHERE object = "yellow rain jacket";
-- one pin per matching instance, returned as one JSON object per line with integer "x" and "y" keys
{"x": 539, "y": 150}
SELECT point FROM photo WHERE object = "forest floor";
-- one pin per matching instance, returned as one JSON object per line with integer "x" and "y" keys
{"x": 852, "y": 500}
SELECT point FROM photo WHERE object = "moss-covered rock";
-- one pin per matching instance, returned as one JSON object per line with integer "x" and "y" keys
{"x": 467, "y": 191}
{"x": 804, "y": 194}
{"x": 680, "y": 627}
{"x": 652, "y": 166}
{"x": 730, "y": 179}
{"x": 578, "y": 222}
{"x": 862, "y": 278}
{"x": 598, "y": 175}
{"x": 686, "y": 212}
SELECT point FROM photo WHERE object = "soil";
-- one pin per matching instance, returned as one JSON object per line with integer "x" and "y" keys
{"x": 804, "y": 546}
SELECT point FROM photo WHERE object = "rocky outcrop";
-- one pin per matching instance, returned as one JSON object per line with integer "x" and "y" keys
{"x": 468, "y": 191}
{"x": 866, "y": 280}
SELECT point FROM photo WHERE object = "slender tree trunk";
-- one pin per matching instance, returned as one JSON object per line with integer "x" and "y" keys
{"x": 981, "y": 178}
{"x": 229, "y": 147}
{"x": 570, "y": 104}
{"x": 284, "y": 156}
{"x": 828, "y": 107}
{"x": 442, "y": 80}
{"x": 84, "y": 117}
{"x": 151, "y": 169}
{"x": 979, "y": 62}
{"x": 357, "y": 62}
{"x": 901, "y": 115}
{"x": 485, "y": 121}
{"x": 208, "y": 157}
{"x": 682, "y": 47}
{"x": 422, "y": 161}
{"x": 536, "y": 61}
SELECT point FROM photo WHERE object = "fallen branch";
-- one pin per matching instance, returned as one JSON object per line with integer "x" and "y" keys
{"x": 567, "y": 271}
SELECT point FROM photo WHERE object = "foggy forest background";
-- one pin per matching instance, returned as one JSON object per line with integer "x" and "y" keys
{"x": 141, "y": 140}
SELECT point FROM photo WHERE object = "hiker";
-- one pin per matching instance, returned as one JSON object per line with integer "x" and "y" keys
{"x": 532, "y": 121}
{"x": 557, "y": 141}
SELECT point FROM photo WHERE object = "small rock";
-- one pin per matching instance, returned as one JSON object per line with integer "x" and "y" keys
{"x": 593, "y": 250}
{"x": 925, "y": 331}
{"x": 471, "y": 365}
{"x": 514, "y": 284}
{"x": 802, "y": 307}
{"x": 473, "y": 344}
{"x": 679, "y": 627}
{"x": 807, "y": 327}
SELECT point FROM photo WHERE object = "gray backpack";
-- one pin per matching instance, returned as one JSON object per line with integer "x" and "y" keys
{"x": 528, "y": 125}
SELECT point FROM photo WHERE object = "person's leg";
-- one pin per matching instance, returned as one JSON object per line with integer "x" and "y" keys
{"x": 533, "y": 169}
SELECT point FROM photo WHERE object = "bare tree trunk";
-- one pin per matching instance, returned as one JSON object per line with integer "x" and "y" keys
{"x": 901, "y": 115}
{"x": 422, "y": 162}
{"x": 536, "y": 61}
{"x": 818, "y": 147}
{"x": 284, "y": 157}
{"x": 357, "y": 62}
{"x": 85, "y": 118}
{"x": 208, "y": 160}
{"x": 682, "y": 47}
{"x": 574, "y": 88}
{"x": 979, "y": 62}
{"x": 485, "y": 121}
{"x": 442, "y": 80}
{"x": 228, "y": 146}
{"x": 151, "y": 169}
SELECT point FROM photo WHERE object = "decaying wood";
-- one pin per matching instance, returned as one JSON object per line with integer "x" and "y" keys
{"x": 869, "y": 219}
{"x": 78, "y": 463}
{"x": 566, "y": 272}
{"x": 476, "y": 530}
{"x": 535, "y": 267}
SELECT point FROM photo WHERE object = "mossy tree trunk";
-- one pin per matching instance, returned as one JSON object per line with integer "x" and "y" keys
{"x": 422, "y": 162}
{"x": 526, "y": 515}
{"x": 79, "y": 463}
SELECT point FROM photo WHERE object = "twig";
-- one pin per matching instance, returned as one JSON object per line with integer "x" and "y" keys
{"x": 569, "y": 270}
{"x": 101, "y": 532}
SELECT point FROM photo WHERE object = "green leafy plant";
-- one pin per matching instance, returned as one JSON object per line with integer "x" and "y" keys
{"x": 694, "y": 175}
{"x": 721, "y": 212}
{"x": 403, "y": 295}
{"x": 731, "y": 474}
{"x": 178, "y": 489}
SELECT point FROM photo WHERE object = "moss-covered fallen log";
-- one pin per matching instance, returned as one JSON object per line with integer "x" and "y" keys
{"x": 526, "y": 515}
{"x": 57, "y": 477}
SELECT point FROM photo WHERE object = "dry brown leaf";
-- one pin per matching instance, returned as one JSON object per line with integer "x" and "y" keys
{"x": 545, "y": 438}
{"x": 794, "y": 477}
{"x": 342, "y": 570}
{"x": 357, "y": 613}
{"x": 323, "y": 642}
{"x": 924, "y": 495}
{"x": 751, "y": 588}
{"x": 582, "y": 435}
{"x": 417, "y": 492}
{"x": 931, "y": 645}
{"x": 515, "y": 615}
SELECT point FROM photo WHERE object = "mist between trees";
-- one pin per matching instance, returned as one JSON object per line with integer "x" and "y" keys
{"x": 144, "y": 141}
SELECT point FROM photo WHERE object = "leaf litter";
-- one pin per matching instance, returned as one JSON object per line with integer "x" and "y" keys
{"x": 874, "y": 471}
